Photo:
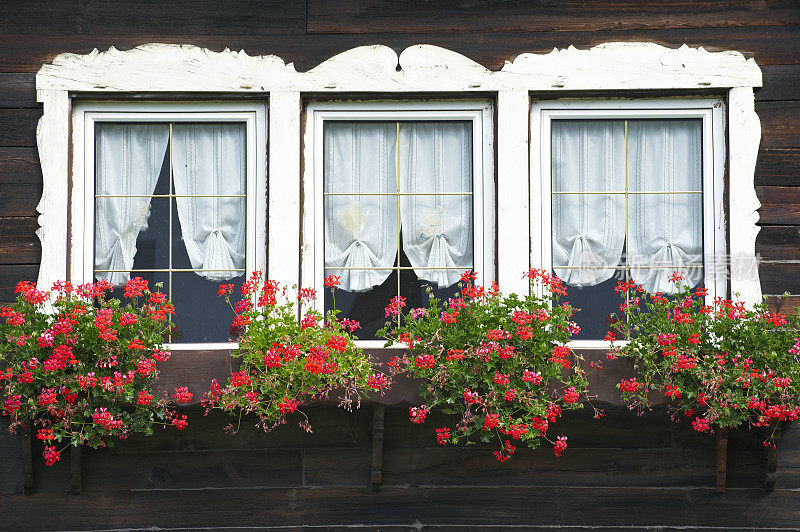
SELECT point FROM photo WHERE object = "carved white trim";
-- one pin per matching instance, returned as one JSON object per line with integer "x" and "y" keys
{"x": 744, "y": 135}
{"x": 166, "y": 68}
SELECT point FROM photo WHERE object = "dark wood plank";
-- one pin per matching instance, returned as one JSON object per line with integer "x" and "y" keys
{"x": 522, "y": 506}
{"x": 239, "y": 17}
{"x": 10, "y": 274}
{"x": 17, "y": 90}
{"x": 778, "y": 168}
{"x": 769, "y": 46}
{"x": 411, "y": 16}
{"x": 779, "y": 277}
{"x": 59, "y": 16}
{"x": 19, "y": 199}
{"x": 129, "y": 18}
{"x": 778, "y": 242}
{"x": 779, "y": 205}
{"x": 20, "y": 165}
{"x": 348, "y": 466}
{"x": 785, "y": 305}
{"x": 18, "y": 242}
{"x": 11, "y": 464}
{"x": 780, "y": 124}
{"x": 106, "y": 470}
{"x": 781, "y": 82}
{"x": 18, "y": 127}
{"x": 332, "y": 426}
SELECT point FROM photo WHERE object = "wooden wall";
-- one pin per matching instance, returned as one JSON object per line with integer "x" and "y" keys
{"x": 626, "y": 470}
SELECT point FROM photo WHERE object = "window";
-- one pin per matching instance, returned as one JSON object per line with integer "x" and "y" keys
{"x": 171, "y": 194}
{"x": 629, "y": 191}
{"x": 404, "y": 196}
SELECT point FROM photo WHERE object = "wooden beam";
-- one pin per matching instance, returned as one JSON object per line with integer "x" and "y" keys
{"x": 378, "y": 413}
{"x": 76, "y": 468}
{"x": 722, "y": 460}
{"x": 27, "y": 458}
{"x": 771, "y": 461}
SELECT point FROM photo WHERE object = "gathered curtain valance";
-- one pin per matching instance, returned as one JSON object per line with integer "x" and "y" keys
{"x": 207, "y": 160}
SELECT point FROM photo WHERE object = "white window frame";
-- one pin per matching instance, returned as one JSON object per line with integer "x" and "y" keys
{"x": 712, "y": 114}
{"x": 478, "y": 112}
{"x": 87, "y": 114}
{"x": 165, "y": 71}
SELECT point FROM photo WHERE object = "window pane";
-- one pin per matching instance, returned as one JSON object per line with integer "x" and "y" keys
{"x": 596, "y": 303}
{"x": 200, "y": 315}
{"x": 199, "y": 225}
{"x": 588, "y": 155}
{"x": 368, "y": 168}
{"x": 622, "y": 186}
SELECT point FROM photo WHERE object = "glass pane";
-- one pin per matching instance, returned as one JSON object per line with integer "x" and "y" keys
{"x": 596, "y": 303}
{"x": 665, "y": 155}
{"x": 360, "y": 232}
{"x": 588, "y": 155}
{"x": 366, "y": 307}
{"x": 145, "y": 238}
{"x": 200, "y": 315}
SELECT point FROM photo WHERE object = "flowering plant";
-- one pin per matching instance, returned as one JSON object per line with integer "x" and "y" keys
{"x": 498, "y": 362}
{"x": 719, "y": 365}
{"x": 288, "y": 362}
{"x": 80, "y": 366}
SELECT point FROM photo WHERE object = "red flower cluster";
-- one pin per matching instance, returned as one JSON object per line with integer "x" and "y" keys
{"x": 286, "y": 361}
{"x": 694, "y": 352}
{"x": 474, "y": 356}
{"x": 94, "y": 354}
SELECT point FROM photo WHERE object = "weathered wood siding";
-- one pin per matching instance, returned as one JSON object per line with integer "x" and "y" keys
{"x": 623, "y": 470}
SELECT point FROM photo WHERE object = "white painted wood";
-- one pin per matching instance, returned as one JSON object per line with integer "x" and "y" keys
{"x": 615, "y": 66}
{"x": 513, "y": 234}
{"x": 283, "y": 246}
{"x": 744, "y": 135}
{"x": 619, "y": 65}
{"x": 52, "y": 138}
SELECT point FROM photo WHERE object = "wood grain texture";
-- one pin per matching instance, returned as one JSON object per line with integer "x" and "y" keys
{"x": 18, "y": 242}
{"x": 19, "y": 165}
{"x": 522, "y": 506}
{"x": 17, "y": 90}
{"x": 779, "y": 277}
{"x": 769, "y": 46}
{"x": 781, "y": 82}
{"x": 779, "y": 205}
{"x": 18, "y": 127}
{"x": 10, "y": 274}
{"x": 412, "y": 16}
{"x": 59, "y": 17}
{"x": 780, "y": 124}
{"x": 779, "y": 167}
{"x": 778, "y": 242}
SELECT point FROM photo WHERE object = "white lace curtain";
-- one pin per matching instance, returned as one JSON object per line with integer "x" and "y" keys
{"x": 436, "y": 162}
{"x": 210, "y": 160}
{"x": 664, "y": 230}
{"x": 361, "y": 212}
{"x": 588, "y": 228}
{"x": 128, "y": 163}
